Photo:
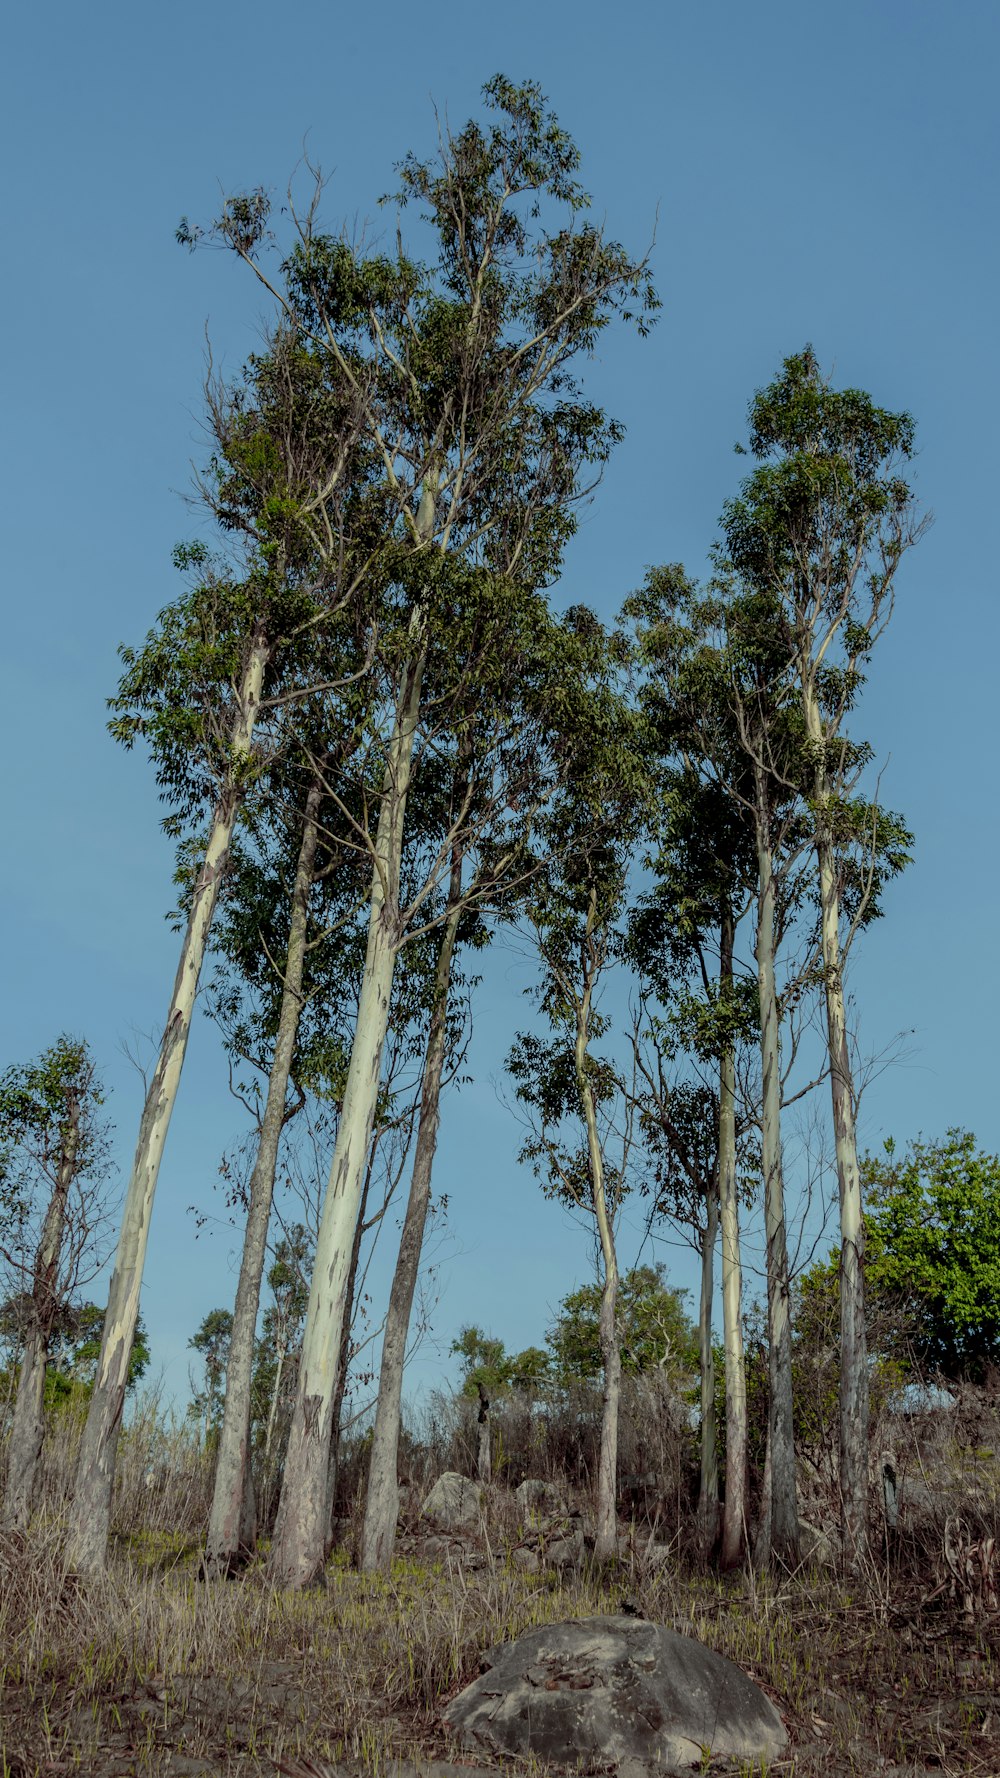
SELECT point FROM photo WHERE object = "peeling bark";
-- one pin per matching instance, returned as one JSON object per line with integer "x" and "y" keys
{"x": 232, "y": 1526}
{"x": 783, "y": 1517}
{"x": 24, "y": 1446}
{"x": 90, "y": 1515}
{"x": 734, "y": 1516}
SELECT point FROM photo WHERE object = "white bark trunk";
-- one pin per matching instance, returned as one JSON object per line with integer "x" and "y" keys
{"x": 708, "y": 1492}
{"x": 734, "y": 1516}
{"x": 231, "y": 1531}
{"x": 784, "y": 1517}
{"x": 24, "y": 1447}
{"x": 382, "y": 1500}
{"x": 90, "y": 1516}
{"x": 299, "y": 1546}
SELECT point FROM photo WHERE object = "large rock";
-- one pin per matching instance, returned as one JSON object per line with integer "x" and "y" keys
{"x": 615, "y": 1691}
{"x": 454, "y": 1502}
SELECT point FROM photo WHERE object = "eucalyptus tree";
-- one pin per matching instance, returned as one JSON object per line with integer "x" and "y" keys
{"x": 573, "y": 914}
{"x": 53, "y": 1180}
{"x": 683, "y": 943}
{"x": 209, "y": 694}
{"x": 819, "y": 530}
{"x": 526, "y": 714}
{"x": 463, "y": 374}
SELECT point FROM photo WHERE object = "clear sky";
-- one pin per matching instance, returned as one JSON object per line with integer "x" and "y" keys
{"x": 812, "y": 173}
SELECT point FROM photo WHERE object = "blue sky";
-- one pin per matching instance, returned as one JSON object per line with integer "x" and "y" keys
{"x": 811, "y": 173}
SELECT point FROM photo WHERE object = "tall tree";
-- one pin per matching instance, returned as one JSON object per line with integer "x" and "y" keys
{"x": 573, "y": 914}
{"x": 463, "y": 374}
{"x": 221, "y": 659}
{"x": 819, "y": 529}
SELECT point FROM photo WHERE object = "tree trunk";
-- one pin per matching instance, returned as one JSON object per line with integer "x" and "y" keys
{"x": 343, "y": 1362}
{"x": 90, "y": 1515}
{"x": 734, "y": 1516}
{"x": 24, "y": 1447}
{"x": 300, "y": 1539}
{"x": 854, "y": 1387}
{"x": 784, "y": 1516}
{"x": 382, "y": 1502}
{"x": 708, "y": 1491}
{"x": 606, "y": 1536}
{"x": 484, "y": 1452}
{"x": 231, "y": 1540}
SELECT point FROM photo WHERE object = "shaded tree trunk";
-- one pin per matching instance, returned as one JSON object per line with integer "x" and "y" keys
{"x": 606, "y": 1533}
{"x": 90, "y": 1515}
{"x": 231, "y": 1528}
{"x": 484, "y": 1454}
{"x": 24, "y": 1447}
{"x": 783, "y": 1517}
{"x": 708, "y": 1491}
{"x": 382, "y": 1502}
{"x": 734, "y": 1517}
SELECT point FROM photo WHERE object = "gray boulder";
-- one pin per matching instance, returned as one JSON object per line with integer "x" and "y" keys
{"x": 614, "y": 1691}
{"x": 454, "y": 1502}
{"x": 539, "y": 1500}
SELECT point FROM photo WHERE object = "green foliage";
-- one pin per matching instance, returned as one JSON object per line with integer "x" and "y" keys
{"x": 77, "y": 1348}
{"x": 654, "y": 1329}
{"x": 211, "y": 1341}
{"x": 932, "y": 1228}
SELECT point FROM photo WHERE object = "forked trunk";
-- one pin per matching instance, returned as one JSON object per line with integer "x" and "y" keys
{"x": 382, "y": 1502}
{"x": 90, "y": 1516}
{"x": 734, "y": 1514}
{"x": 24, "y": 1447}
{"x": 784, "y": 1516}
{"x": 232, "y": 1527}
{"x": 708, "y": 1491}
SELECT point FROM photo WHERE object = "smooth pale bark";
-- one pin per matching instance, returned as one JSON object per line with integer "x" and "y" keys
{"x": 24, "y": 1447}
{"x": 343, "y": 1362}
{"x": 606, "y": 1530}
{"x": 784, "y": 1515}
{"x": 708, "y": 1491}
{"x": 734, "y": 1513}
{"x": 90, "y": 1515}
{"x": 854, "y": 1386}
{"x": 382, "y": 1500}
{"x": 231, "y": 1528}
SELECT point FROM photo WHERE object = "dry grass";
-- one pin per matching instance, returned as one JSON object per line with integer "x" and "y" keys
{"x": 153, "y": 1670}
